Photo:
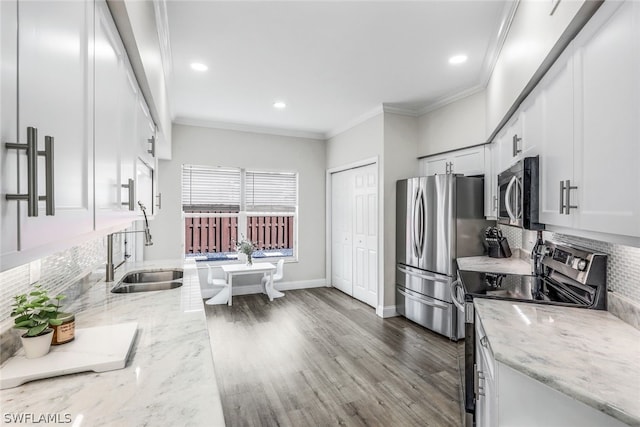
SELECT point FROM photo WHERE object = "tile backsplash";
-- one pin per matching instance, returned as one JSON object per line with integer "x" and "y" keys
{"x": 623, "y": 263}
{"x": 56, "y": 271}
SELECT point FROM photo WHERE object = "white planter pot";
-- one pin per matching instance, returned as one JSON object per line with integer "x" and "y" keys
{"x": 35, "y": 347}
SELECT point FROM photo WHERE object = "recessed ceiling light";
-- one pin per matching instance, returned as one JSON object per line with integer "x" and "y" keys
{"x": 458, "y": 59}
{"x": 199, "y": 67}
{"x": 279, "y": 105}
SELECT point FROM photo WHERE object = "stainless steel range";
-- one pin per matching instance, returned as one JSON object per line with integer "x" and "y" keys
{"x": 566, "y": 276}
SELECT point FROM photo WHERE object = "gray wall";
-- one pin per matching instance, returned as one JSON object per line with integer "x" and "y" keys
{"x": 217, "y": 147}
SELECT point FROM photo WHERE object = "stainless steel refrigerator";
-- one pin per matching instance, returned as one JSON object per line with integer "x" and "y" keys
{"x": 438, "y": 219}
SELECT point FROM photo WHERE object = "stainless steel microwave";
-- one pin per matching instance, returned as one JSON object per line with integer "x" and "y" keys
{"x": 518, "y": 195}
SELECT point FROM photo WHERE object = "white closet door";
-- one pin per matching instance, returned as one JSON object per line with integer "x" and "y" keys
{"x": 342, "y": 231}
{"x": 365, "y": 235}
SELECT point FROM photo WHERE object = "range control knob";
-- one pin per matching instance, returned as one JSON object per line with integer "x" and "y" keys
{"x": 581, "y": 264}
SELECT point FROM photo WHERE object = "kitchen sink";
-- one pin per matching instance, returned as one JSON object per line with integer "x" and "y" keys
{"x": 146, "y": 281}
{"x": 153, "y": 276}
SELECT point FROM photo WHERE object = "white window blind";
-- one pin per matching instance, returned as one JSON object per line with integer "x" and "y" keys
{"x": 210, "y": 188}
{"x": 271, "y": 191}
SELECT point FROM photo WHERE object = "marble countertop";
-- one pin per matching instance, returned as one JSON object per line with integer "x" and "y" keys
{"x": 512, "y": 265}
{"x": 589, "y": 355}
{"x": 169, "y": 378}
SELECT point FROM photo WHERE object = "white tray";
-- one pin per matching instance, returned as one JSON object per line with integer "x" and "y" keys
{"x": 99, "y": 349}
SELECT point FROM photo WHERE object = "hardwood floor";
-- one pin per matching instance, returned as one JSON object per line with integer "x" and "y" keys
{"x": 318, "y": 357}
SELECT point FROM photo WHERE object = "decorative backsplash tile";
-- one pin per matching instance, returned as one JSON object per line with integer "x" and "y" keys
{"x": 62, "y": 272}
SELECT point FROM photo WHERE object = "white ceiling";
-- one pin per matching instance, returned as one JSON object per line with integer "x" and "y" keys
{"x": 332, "y": 62}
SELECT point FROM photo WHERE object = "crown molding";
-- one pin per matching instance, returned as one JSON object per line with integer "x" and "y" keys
{"x": 410, "y": 112}
{"x": 241, "y": 127}
{"x": 355, "y": 122}
{"x": 441, "y": 102}
{"x": 492, "y": 54}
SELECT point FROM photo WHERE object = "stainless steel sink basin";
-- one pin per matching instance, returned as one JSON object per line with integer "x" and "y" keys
{"x": 152, "y": 276}
{"x": 145, "y": 281}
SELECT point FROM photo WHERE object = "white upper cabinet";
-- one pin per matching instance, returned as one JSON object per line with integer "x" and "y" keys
{"x": 607, "y": 124}
{"x": 54, "y": 103}
{"x": 110, "y": 99}
{"x": 590, "y": 151}
{"x": 467, "y": 161}
{"x": 557, "y": 142}
{"x": 8, "y": 127}
{"x": 66, "y": 87}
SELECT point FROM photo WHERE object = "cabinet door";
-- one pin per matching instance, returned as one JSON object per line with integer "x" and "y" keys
{"x": 55, "y": 91}
{"x": 109, "y": 81}
{"x": 128, "y": 134}
{"x": 145, "y": 131}
{"x": 435, "y": 165}
{"x": 607, "y": 125}
{"x": 8, "y": 127}
{"x": 556, "y": 144}
{"x": 532, "y": 124}
{"x": 509, "y": 150}
{"x": 491, "y": 181}
{"x": 468, "y": 161}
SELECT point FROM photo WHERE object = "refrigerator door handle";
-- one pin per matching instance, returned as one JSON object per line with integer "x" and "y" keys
{"x": 444, "y": 279}
{"x": 423, "y": 301}
{"x": 417, "y": 249}
{"x": 421, "y": 224}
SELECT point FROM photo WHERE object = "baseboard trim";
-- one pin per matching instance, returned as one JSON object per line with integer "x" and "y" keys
{"x": 282, "y": 286}
{"x": 385, "y": 312}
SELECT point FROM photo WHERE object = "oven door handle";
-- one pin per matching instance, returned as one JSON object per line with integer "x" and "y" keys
{"x": 454, "y": 294}
{"x": 507, "y": 199}
{"x": 444, "y": 279}
{"x": 424, "y": 301}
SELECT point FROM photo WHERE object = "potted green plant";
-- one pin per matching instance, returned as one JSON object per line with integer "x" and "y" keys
{"x": 246, "y": 247}
{"x": 34, "y": 312}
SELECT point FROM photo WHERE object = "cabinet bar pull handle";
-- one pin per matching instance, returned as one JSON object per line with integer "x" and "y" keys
{"x": 131, "y": 203}
{"x": 569, "y": 187}
{"x": 561, "y": 197}
{"x": 152, "y": 150}
{"x": 516, "y": 149}
{"x": 32, "y": 171}
{"x": 49, "y": 185}
{"x": 159, "y": 197}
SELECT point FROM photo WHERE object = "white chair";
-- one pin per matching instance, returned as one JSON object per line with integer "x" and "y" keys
{"x": 277, "y": 275}
{"x": 222, "y": 295}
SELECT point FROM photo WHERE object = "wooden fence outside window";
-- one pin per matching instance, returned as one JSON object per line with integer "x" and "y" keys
{"x": 220, "y": 234}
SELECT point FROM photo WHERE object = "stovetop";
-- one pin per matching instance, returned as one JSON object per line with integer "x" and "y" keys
{"x": 519, "y": 288}
{"x": 566, "y": 275}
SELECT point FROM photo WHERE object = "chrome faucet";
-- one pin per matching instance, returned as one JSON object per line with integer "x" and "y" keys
{"x": 110, "y": 271}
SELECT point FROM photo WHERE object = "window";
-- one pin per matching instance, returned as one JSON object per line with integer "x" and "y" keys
{"x": 220, "y": 205}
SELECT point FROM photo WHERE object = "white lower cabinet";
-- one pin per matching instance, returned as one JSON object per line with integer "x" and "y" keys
{"x": 507, "y": 397}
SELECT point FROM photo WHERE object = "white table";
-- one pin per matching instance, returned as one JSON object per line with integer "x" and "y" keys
{"x": 231, "y": 270}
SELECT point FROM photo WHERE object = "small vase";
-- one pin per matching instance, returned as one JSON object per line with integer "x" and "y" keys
{"x": 35, "y": 347}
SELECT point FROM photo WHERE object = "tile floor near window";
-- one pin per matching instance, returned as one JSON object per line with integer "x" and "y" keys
{"x": 319, "y": 357}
